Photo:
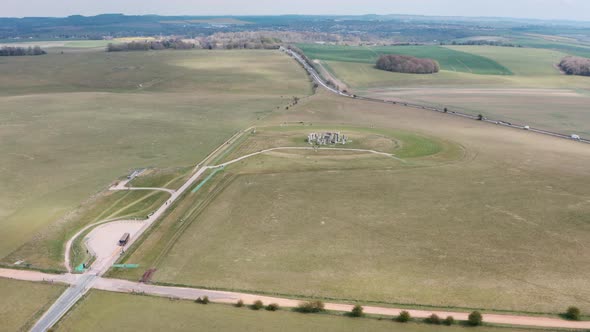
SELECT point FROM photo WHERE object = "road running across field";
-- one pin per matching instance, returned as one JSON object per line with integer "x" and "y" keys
{"x": 126, "y": 286}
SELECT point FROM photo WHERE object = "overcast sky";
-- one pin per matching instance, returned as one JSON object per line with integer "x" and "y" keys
{"x": 545, "y": 9}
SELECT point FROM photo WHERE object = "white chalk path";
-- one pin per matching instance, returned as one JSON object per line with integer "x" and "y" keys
{"x": 305, "y": 148}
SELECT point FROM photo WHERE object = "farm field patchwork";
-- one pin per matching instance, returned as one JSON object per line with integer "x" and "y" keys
{"x": 67, "y": 137}
{"x": 102, "y": 311}
{"x": 532, "y": 68}
{"x": 449, "y": 59}
{"x": 536, "y": 93}
{"x": 23, "y": 302}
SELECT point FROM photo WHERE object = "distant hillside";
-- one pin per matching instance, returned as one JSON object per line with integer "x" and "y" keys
{"x": 354, "y": 30}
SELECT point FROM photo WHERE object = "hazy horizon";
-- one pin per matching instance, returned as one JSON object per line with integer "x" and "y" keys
{"x": 578, "y": 10}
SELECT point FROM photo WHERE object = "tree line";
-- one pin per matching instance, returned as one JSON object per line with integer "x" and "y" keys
{"x": 483, "y": 42}
{"x": 574, "y": 65}
{"x": 21, "y": 51}
{"x": 407, "y": 64}
{"x": 205, "y": 43}
{"x": 147, "y": 45}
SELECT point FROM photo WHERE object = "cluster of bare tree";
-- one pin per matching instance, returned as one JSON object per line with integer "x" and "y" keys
{"x": 244, "y": 40}
{"x": 240, "y": 40}
{"x": 147, "y": 45}
{"x": 407, "y": 64}
{"x": 21, "y": 51}
{"x": 574, "y": 65}
{"x": 226, "y": 38}
{"x": 271, "y": 39}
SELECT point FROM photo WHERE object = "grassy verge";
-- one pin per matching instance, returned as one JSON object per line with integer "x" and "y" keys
{"x": 24, "y": 302}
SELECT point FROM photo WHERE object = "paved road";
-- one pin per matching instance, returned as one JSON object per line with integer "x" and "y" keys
{"x": 82, "y": 284}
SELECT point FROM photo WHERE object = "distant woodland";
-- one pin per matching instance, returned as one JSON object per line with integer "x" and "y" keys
{"x": 150, "y": 45}
{"x": 482, "y": 42}
{"x": 21, "y": 51}
{"x": 233, "y": 40}
{"x": 407, "y": 64}
{"x": 574, "y": 65}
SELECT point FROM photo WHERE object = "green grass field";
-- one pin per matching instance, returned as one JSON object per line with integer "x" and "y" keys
{"x": 23, "y": 302}
{"x": 171, "y": 178}
{"x": 88, "y": 43}
{"x": 500, "y": 228}
{"x": 401, "y": 144}
{"x": 533, "y": 68}
{"x": 102, "y": 311}
{"x": 527, "y": 62}
{"x": 475, "y": 216}
{"x": 417, "y": 151}
{"x": 449, "y": 59}
{"x": 565, "y": 45}
{"x": 73, "y": 123}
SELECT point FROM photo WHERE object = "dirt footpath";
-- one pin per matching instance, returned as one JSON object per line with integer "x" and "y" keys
{"x": 29, "y": 275}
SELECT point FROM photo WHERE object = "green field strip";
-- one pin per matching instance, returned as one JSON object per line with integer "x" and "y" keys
{"x": 447, "y": 58}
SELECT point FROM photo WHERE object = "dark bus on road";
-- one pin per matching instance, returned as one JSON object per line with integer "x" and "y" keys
{"x": 124, "y": 239}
